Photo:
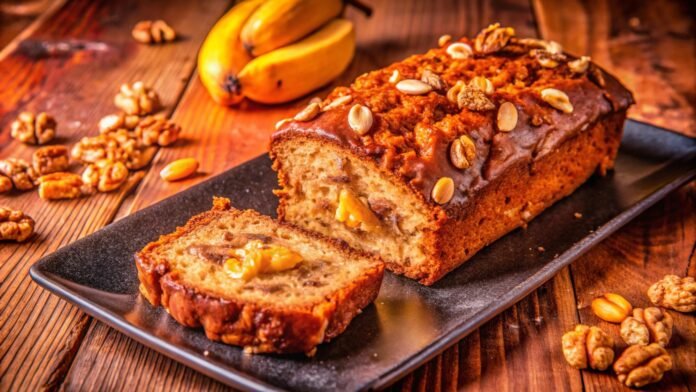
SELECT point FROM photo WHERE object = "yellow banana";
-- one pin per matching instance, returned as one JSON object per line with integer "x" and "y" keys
{"x": 222, "y": 54}
{"x": 280, "y": 22}
{"x": 294, "y": 70}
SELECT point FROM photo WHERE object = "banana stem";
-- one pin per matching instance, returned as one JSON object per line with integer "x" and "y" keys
{"x": 362, "y": 7}
{"x": 232, "y": 85}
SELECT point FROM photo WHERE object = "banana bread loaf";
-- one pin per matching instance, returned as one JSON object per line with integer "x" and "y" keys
{"x": 251, "y": 282}
{"x": 430, "y": 159}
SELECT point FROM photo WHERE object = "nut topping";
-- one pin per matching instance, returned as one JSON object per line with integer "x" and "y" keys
{"x": 114, "y": 122}
{"x": 454, "y": 91}
{"x": 179, "y": 169}
{"x": 433, "y": 80}
{"x": 309, "y": 112}
{"x": 50, "y": 159}
{"x": 62, "y": 185}
{"x": 22, "y": 175}
{"x": 444, "y": 40}
{"x": 443, "y": 191}
{"x": 557, "y": 99}
{"x": 642, "y": 365}
{"x": 482, "y": 83}
{"x": 507, "y": 117}
{"x": 675, "y": 293}
{"x": 647, "y": 325}
{"x": 413, "y": 87}
{"x": 340, "y": 101}
{"x": 611, "y": 307}
{"x": 588, "y": 347}
{"x": 157, "y": 130}
{"x": 105, "y": 175}
{"x": 149, "y": 32}
{"x": 33, "y": 129}
{"x": 549, "y": 46}
{"x": 282, "y": 122}
{"x": 462, "y": 152}
{"x": 473, "y": 99}
{"x": 493, "y": 38}
{"x": 360, "y": 119}
{"x": 15, "y": 225}
{"x": 579, "y": 65}
{"x": 395, "y": 77}
{"x": 459, "y": 51}
{"x": 137, "y": 99}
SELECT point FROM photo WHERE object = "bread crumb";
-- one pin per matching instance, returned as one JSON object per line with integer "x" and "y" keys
{"x": 577, "y": 215}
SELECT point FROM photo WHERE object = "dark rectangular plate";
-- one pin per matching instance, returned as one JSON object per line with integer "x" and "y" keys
{"x": 409, "y": 323}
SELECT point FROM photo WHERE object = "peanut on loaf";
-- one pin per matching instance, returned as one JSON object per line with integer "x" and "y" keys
{"x": 449, "y": 150}
{"x": 251, "y": 282}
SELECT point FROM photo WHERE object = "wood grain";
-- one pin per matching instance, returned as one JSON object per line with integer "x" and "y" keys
{"x": 39, "y": 334}
{"x": 44, "y": 342}
{"x": 649, "y": 45}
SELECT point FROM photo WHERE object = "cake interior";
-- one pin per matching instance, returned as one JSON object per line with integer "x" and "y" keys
{"x": 197, "y": 259}
{"x": 314, "y": 174}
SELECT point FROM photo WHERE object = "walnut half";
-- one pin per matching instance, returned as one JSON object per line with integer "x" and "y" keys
{"x": 588, "y": 347}
{"x": 18, "y": 170}
{"x": 62, "y": 185}
{"x": 34, "y": 129}
{"x": 647, "y": 325}
{"x": 157, "y": 130}
{"x": 15, "y": 225}
{"x": 105, "y": 175}
{"x": 642, "y": 365}
{"x": 50, "y": 159}
{"x": 675, "y": 293}
{"x": 137, "y": 99}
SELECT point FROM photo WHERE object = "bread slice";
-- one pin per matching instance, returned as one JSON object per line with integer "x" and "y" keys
{"x": 283, "y": 312}
{"x": 464, "y": 149}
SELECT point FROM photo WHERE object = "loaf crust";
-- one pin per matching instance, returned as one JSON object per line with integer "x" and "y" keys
{"x": 259, "y": 328}
{"x": 515, "y": 175}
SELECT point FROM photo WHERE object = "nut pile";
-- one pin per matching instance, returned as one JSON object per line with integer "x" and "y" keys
{"x": 126, "y": 142}
{"x": 646, "y": 331}
{"x": 468, "y": 89}
{"x": 153, "y": 32}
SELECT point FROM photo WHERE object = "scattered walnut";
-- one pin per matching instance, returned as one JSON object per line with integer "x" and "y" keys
{"x": 474, "y": 99}
{"x": 22, "y": 175}
{"x": 62, "y": 185}
{"x": 105, "y": 175}
{"x": 5, "y": 183}
{"x": 114, "y": 122}
{"x": 148, "y": 32}
{"x": 588, "y": 346}
{"x": 15, "y": 225}
{"x": 642, "y": 365}
{"x": 674, "y": 292}
{"x": 50, "y": 159}
{"x": 34, "y": 129}
{"x": 137, "y": 99}
{"x": 493, "y": 38}
{"x": 118, "y": 146}
{"x": 647, "y": 325}
{"x": 157, "y": 130}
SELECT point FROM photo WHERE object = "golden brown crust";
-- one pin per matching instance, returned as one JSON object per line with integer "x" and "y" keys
{"x": 257, "y": 327}
{"x": 514, "y": 171}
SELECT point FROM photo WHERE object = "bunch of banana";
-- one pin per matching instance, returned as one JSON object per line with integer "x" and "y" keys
{"x": 274, "y": 51}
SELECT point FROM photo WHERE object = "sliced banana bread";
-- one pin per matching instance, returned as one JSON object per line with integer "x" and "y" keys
{"x": 252, "y": 282}
{"x": 430, "y": 159}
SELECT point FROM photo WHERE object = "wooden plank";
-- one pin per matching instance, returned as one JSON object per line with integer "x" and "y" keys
{"x": 225, "y": 137}
{"x": 649, "y": 45}
{"x": 39, "y": 334}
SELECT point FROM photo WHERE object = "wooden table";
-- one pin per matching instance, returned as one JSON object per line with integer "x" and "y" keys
{"x": 47, "y": 343}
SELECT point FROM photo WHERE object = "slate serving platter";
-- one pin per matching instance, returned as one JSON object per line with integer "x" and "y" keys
{"x": 409, "y": 323}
